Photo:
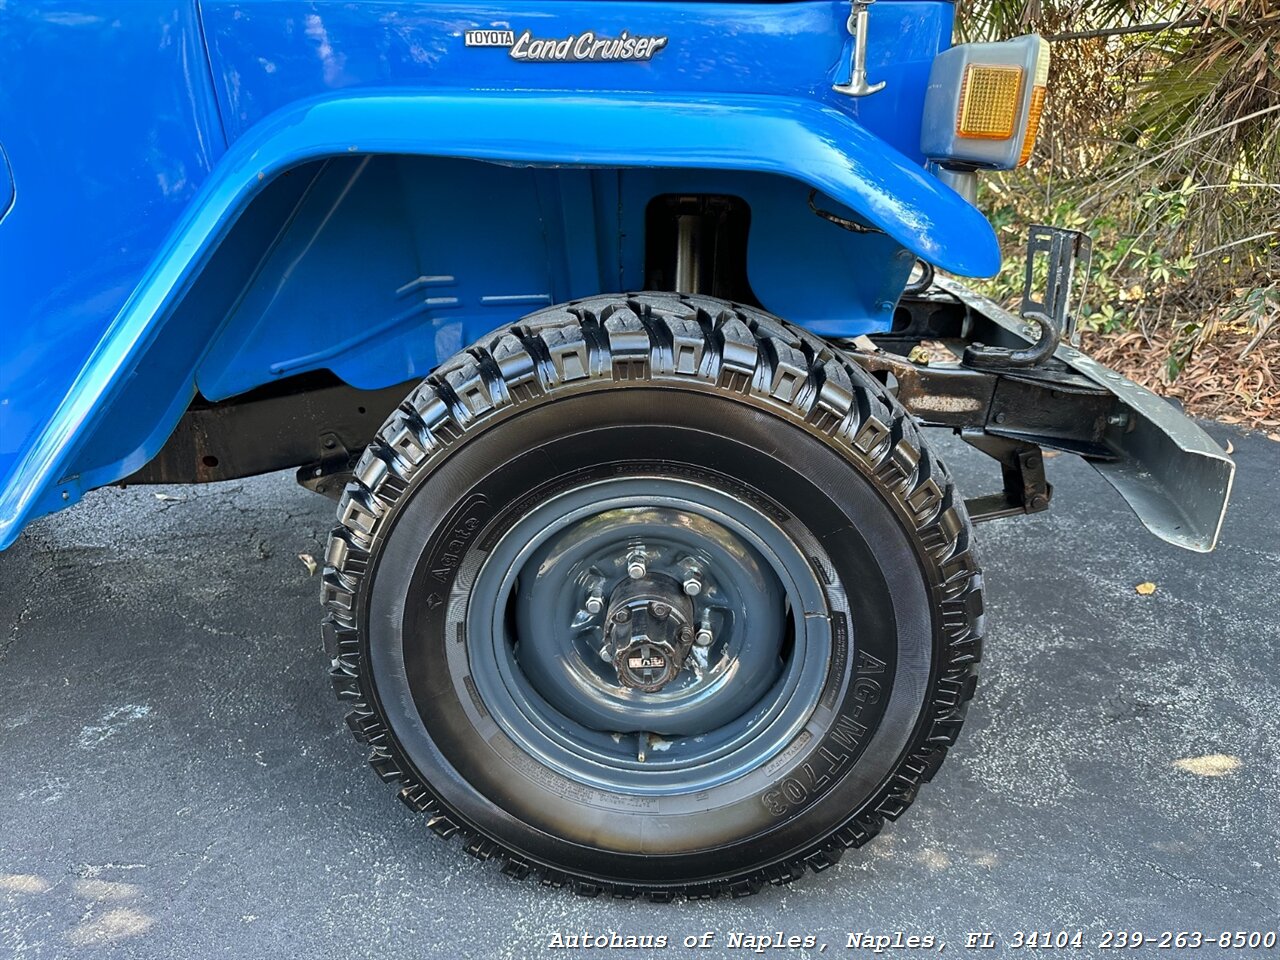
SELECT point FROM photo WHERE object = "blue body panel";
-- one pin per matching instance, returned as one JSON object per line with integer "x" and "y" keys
{"x": 373, "y": 195}
{"x": 270, "y": 53}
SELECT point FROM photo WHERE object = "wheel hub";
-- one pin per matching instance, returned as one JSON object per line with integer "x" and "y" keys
{"x": 648, "y": 618}
{"x": 649, "y": 632}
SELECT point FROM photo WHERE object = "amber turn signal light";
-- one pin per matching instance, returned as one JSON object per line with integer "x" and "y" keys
{"x": 990, "y": 100}
{"x": 1039, "y": 93}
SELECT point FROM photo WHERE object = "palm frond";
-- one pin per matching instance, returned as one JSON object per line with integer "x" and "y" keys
{"x": 1167, "y": 140}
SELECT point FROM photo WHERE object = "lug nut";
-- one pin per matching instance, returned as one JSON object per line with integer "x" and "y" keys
{"x": 595, "y": 595}
{"x": 660, "y": 611}
{"x": 636, "y": 568}
{"x": 692, "y": 586}
{"x": 704, "y": 635}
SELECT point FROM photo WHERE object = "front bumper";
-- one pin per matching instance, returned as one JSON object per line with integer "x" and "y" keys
{"x": 1174, "y": 476}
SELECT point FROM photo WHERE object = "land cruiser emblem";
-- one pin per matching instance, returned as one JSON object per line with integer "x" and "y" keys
{"x": 585, "y": 47}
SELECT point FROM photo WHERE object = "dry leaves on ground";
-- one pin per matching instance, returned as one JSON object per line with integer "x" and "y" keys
{"x": 1216, "y": 383}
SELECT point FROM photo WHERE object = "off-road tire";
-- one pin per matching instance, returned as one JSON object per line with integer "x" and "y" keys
{"x": 704, "y": 347}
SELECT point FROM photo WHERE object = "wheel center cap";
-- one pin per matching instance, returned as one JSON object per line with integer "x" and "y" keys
{"x": 649, "y": 631}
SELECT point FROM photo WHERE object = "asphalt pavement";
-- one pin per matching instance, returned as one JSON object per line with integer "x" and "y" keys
{"x": 176, "y": 780}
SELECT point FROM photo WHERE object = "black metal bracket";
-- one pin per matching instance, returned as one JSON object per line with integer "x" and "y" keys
{"x": 1067, "y": 251}
{"x": 330, "y": 474}
{"x": 1049, "y": 406}
{"x": 1174, "y": 476}
{"x": 1012, "y": 414}
{"x": 1022, "y": 466}
{"x": 1069, "y": 254}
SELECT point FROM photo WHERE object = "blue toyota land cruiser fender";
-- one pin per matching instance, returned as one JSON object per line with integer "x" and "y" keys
{"x": 636, "y": 586}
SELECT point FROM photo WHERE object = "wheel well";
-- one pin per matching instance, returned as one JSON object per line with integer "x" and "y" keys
{"x": 378, "y": 267}
{"x": 372, "y": 269}
{"x": 350, "y": 278}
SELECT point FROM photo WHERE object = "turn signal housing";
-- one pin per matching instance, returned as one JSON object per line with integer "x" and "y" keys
{"x": 984, "y": 104}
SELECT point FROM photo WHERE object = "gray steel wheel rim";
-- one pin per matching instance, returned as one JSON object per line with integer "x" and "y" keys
{"x": 690, "y": 761}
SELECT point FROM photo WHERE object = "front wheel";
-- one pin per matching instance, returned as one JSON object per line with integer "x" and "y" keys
{"x": 653, "y": 595}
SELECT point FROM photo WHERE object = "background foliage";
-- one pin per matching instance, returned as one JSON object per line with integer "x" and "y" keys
{"x": 1162, "y": 139}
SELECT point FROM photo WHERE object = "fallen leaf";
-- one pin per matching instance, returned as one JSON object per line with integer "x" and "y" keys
{"x": 1145, "y": 589}
{"x": 1210, "y": 765}
{"x": 1050, "y": 454}
{"x": 165, "y": 496}
{"x": 865, "y": 344}
{"x": 309, "y": 562}
{"x": 1231, "y": 448}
